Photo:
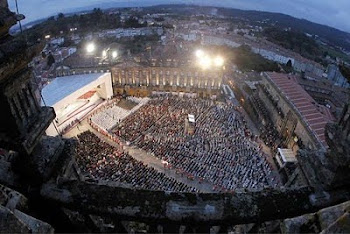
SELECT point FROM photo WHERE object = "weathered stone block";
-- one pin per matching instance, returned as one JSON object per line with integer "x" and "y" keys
{"x": 301, "y": 224}
{"x": 329, "y": 215}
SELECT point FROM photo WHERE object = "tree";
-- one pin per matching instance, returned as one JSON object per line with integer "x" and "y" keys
{"x": 289, "y": 63}
{"x": 345, "y": 71}
{"x": 246, "y": 60}
{"x": 133, "y": 23}
{"x": 50, "y": 60}
{"x": 60, "y": 15}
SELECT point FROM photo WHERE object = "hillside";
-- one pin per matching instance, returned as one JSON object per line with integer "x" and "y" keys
{"x": 332, "y": 36}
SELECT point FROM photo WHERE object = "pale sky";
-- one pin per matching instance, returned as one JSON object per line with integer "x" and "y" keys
{"x": 335, "y": 13}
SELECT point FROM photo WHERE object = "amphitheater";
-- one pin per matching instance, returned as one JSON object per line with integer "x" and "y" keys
{"x": 220, "y": 155}
{"x": 171, "y": 162}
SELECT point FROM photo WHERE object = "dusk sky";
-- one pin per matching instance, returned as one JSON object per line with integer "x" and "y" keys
{"x": 335, "y": 13}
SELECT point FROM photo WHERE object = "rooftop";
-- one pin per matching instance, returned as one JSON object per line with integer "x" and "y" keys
{"x": 63, "y": 86}
{"x": 287, "y": 155}
{"x": 303, "y": 102}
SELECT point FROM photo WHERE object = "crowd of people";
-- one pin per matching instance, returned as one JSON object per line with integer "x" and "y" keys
{"x": 270, "y": 136}
{"x": 102, "y": 162}
{"x": 221, "y": 150}
{"x": 269, "y": 133}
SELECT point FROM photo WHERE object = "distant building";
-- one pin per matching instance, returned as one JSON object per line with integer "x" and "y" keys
{"x": 212, "y": 40}
{"x": 141, "y": 81}
{"x": 305, "y": 65}
{"x": 131, "y": 32}
{"x": 188, "y": 35}
{"x": 273, "y": 56}
{"x": 325, "y": 92}
{"x": 57, "y": 41}
{"x": 63, "y": 53}
{"x": 301, "y": 118}
{"x": 335, "y": 76}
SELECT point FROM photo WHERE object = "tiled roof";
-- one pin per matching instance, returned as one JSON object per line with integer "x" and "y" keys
{"x": 310, "y": 111}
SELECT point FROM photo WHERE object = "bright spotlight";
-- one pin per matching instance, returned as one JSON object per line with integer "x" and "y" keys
{"x": 205, "y": 62}
{"x": 90, "y": 47}
{"x": 199, "y": 53}
{"x": 114, "y": 54}
{"x": 218, "y": 61}
{"x": 104, "y": 53}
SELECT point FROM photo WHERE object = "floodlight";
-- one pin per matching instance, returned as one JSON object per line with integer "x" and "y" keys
{"x": 205, "y": 62}
{"x": 199, "y": 53}
{"x": 219, "y": 61}
{"x": 114, "y": 54}
{"x": 90, "y": 47}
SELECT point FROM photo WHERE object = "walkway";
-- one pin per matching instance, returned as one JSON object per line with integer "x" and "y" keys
{"x": 152, "y": 161}
{"x": 255, "y": 131}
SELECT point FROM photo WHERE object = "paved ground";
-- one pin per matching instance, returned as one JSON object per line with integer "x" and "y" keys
{"x": 156, "y": 163}
{"x": 80, "y": 128}
{"x": 126, "y": 104}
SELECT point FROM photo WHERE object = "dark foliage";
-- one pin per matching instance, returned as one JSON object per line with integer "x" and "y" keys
{"x": 331, "y": 35}
{"x": 246, "y": 60}
{"x": 345, "y": 71}
{"x": 334, "y": 37}
{"x": 295, "y": 41}
{"x": 94, "y": 21}
{"x": 50, "y": 60}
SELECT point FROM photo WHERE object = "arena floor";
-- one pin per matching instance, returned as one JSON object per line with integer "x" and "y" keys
{"x": 126, "y": 104}
{"x": 155, "y": 128}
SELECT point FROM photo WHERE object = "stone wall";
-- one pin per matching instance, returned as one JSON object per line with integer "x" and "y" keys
{"x": 142, "y": 205}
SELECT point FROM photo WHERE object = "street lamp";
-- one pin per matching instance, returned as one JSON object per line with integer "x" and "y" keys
{"x": 90, "y": 47}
